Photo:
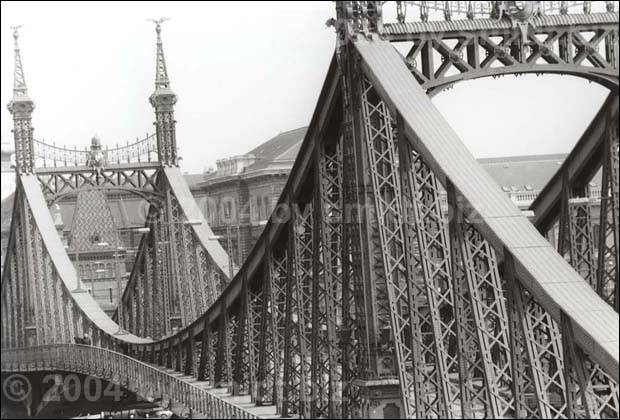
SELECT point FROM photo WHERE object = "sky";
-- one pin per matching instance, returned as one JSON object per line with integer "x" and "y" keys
{"x": 243, "y": 72}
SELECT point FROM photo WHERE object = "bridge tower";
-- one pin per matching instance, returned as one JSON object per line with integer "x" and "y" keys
{"x": 163, "y": 100}
{"x": 179, "y": 269}
{"x": 373, "y": 295}
{"x": 409, "y": 267}
{"x": 21, "y": 107}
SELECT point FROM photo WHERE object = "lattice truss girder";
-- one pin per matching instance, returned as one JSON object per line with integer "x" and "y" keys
{"x": 272, "y": 329}
{"x": 582, "y": 239}
{"x": 417, "y": 286}
{"x": 494, "y": 339}
{"x": 143, "y": 181}
{"x": 303, "y": 309}
{"x": 590, "y": 248}
{"x": 173, "y": 276}
{"x": 253, "y": 308}
{"x": 608, "y": 244}
{"x": 24, "y": 148}
{"x": 477, "y": 268}
{"x": 222, "y": 372}
{"x": 37, "y": 308}
{"x": 298, "y": 312}
{"x": 440, "y": 58}
{"x": 597, "y": 263}
{"x": 358, "y": 322}
{"x": 327, "y": 287}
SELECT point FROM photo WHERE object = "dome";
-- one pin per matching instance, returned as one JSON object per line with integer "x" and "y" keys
{"x": 95, "y": 142}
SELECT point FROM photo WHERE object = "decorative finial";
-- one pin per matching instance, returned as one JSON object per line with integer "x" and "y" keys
{"x": 16, "y": 34}
{"x": 161, "y": 72}
{"x": 447, "y": 11}
{"x": 470, "y": 11}
{"x": 423, "y": 11}
{"x": 401, "y": 11}
{"x": 19, "y": 80}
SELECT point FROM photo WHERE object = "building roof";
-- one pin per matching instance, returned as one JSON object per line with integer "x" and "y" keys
{"x": 193, "y": 179}
{"x": 277, "y": 153}
{"x": 282, "y": 148}
{"x": 525, "y": 173}
{"x": 522, "y": 173}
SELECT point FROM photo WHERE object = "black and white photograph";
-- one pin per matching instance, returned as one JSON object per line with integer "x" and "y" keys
{"x": 309, "y": 209}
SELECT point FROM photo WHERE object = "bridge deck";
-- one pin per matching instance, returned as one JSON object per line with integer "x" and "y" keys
{"x": 244, "y": 401}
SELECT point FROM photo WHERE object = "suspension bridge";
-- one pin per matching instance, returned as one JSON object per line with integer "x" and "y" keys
{"x": 364, "y": 296}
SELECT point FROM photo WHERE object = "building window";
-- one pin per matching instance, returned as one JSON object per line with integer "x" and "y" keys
{"x": 266, "y": 200}
{"x": 110, "y": 290}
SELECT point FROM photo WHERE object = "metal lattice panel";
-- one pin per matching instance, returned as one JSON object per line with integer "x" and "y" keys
{"x": 279, "y": 279}
{"x": 434, "y": 251}
{"x": 444, "y": 53}
{"x": 93, "y": 224}
{"x": 582, "y": 239}
{"x": 327, "y": 286}
{"x": 485, "y": 291}
{"x": 395, "y": 306}
{"x": 356, "y": 352}
{"x": 525, "y": 383}
{"x": 255, "y": 302}
{"x": 297, "y": 390}
{"x": 265, "y": 376}
{"x": 607, "y": 267}
{"x": 138, "y": 180}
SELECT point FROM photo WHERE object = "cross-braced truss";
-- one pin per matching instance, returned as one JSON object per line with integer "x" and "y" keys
{"x": 441, "y": 55}
{"x": 369, "y": 299}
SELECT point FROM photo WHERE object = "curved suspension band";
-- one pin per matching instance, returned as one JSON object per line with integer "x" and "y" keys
{"x": 375, "y": 139}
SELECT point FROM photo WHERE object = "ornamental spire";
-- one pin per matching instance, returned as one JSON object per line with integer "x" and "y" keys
{"x": 21, "y": 107}
{"x": 19, "y": 80}
{"x": 163, "y": 100}
{"x": 161, "y": 72}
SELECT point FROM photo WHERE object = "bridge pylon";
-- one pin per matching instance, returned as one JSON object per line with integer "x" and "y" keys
{"x": 21, "y": 107}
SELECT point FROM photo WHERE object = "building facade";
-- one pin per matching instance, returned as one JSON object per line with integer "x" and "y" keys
{"x": 239, "y": 196}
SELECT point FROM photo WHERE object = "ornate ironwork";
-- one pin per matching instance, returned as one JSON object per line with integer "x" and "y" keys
{"x": 50, "y": 155}
{"x": 367, "y": 295}
{"x": 147, "y": 381}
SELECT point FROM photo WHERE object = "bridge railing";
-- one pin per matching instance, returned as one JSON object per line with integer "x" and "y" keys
{"x": 50, "y": 155}
{"x": 145, "y": 380}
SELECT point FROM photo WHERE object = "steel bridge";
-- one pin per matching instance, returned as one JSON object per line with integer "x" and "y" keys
{"x": 362, "y": 297}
